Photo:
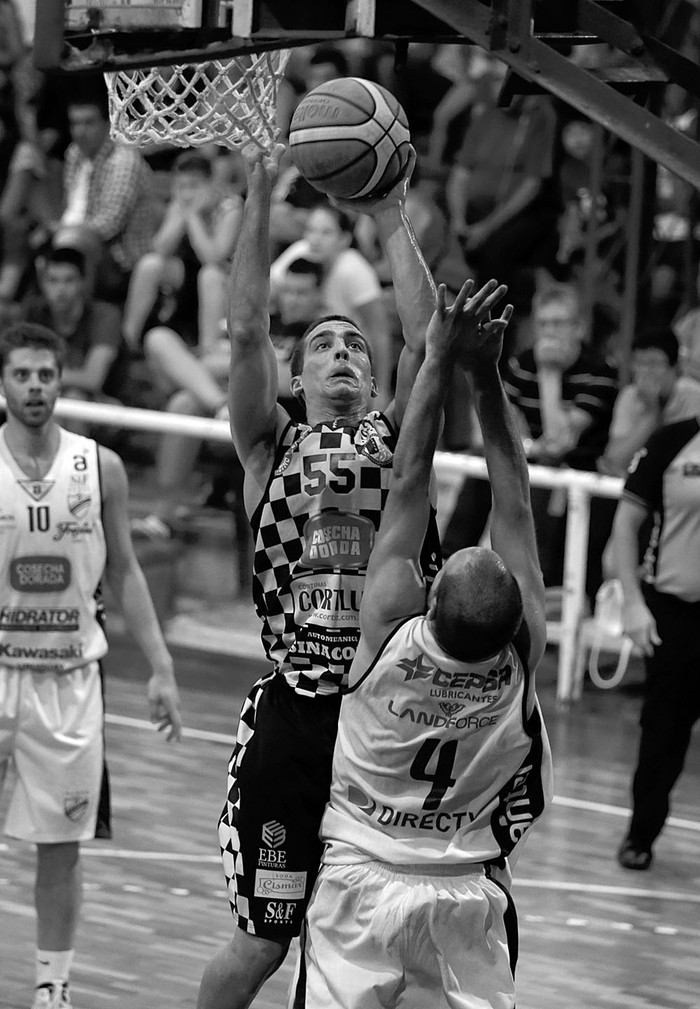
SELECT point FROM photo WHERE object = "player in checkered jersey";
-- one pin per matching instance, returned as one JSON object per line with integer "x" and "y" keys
{"x": 314, "y": 493}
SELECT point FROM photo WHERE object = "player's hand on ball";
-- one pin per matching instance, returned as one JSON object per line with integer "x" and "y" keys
{"x": 373, "y": 205}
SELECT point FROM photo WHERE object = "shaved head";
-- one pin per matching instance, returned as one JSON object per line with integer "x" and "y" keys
{"x": 475, "y": 605}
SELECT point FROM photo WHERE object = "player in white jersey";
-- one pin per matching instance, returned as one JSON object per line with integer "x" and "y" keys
{"x": 63, "y": 526}
{"x": 441, "y": 762}
{"x": 314, "y": 493}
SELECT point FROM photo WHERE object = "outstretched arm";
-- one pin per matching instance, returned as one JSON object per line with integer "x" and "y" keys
{"x": 414, "y": 288}
{"x": 394, "y": 587}
{"x": 512, "y": 524}
{"x": 253, "y": 369}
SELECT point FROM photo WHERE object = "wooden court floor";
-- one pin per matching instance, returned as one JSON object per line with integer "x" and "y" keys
{"x": 593, "y": 936}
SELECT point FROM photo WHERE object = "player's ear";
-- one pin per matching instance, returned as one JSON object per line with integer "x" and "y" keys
{"x": 296, "y": 387}
{"x": 374, "y": 391}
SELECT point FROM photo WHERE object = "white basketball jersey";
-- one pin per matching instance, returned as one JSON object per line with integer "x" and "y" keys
{"x": 436, "y": 760}
{"x": 52, "y": 550}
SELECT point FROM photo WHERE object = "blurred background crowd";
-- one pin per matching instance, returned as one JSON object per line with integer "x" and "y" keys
{"x": 126, "y": 254}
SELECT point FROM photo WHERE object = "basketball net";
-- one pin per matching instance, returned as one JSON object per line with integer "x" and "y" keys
{"x": 231, "y": 102}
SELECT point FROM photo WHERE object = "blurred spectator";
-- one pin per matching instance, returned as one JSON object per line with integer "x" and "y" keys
{"x": 564, "y": 396}
{"x": 306, "y": 71}
{"x": 95, "y": 367}
{"x": 350, "y": 285}
{"x": 189, "y": 254}
{"x": 109, "y": 210}
{"x": 581, "y": 208}
{"x": 298, "y": 300}
{"x": 293, "y": 199}
{"x": 463, "y": 66}
{"x": 298, "y": 305}
{"x": 686, "y": 326}
{"x": 502, "y": 190}
{"x": 655, "y": 396}
{"x": 33, "y": 195}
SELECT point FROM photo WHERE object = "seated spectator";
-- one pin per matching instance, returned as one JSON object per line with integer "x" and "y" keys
{"x": 109, "y": 211}
{"x": 298, "y": 301}
{"x": 656, "y": 395}
{"x": 564, "y": 396}
{"x": 350, "y": 285}
{"x": 188, "y": 254}
{"x": 95, "y": 367}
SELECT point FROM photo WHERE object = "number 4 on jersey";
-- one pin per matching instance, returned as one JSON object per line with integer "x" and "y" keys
{"x": 441, "y": 776}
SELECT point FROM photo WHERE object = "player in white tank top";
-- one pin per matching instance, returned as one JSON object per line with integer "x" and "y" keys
{"x": 441, "y": 762}
{"x": 63, "y": 525}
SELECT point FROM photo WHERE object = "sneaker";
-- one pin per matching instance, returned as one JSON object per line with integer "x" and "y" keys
{"x": 151, "y": 527}
{"x": 631, "y": 857}
{"x": 51, "y": 996}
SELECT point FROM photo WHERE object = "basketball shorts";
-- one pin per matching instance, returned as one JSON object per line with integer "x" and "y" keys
{"x": 278, "y": 785}
{"x": 51, "y": 737}
{"x": 379, "y": 936}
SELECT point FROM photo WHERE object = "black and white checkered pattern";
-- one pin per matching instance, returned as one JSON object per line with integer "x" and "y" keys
{"x": 316, "y": 469}
{"x": 229, "y": 842}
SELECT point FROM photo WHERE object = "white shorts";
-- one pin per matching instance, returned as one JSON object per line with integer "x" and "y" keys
{"x": 51, "y": 734}
{"x": 379, "y": 937}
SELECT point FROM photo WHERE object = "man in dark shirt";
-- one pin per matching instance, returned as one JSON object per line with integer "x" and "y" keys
{"x": 564, "y": 396}
{"x": 661, "y": 614}
{"x": 96, "y": 361}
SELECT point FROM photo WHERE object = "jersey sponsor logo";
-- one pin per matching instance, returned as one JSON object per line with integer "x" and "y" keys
{"x": 390, "y": 816}
{"x": 75, "y": 805}
{"x": 37, "y": 489}
{"x": 279, "y": 912}
{"x": 38, "y": 573}
{"x": 369, "y": 443}
{"x": 336, "y": 539}
{"x": 273, "y": 834}
{"x": 79, "y": 504}
{"x": 9, "y": 651}
{"x": 328, "y": 600}
{"x": 445, "y": 721}
{"x": 291, "y": 885}
{"x": 333, "y": 648}
{"x": 73, "y": 530}
{"x": 517, "y": 808}
{"x": 19, "y": 618}
{"x": 462, "y": 685}
{"x": 690, "y": 469}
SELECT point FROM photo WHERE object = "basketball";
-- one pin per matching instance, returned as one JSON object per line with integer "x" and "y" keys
{"x": 349, "y": 138}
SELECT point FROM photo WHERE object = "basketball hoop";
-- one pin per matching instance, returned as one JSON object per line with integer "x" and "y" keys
{"x": 228, "y": 101}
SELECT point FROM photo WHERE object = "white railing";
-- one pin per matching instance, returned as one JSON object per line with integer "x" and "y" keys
{"x": 579, "y": 486}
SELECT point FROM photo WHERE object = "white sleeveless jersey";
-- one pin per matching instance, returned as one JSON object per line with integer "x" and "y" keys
{"x": 52, "y": 548}
{"x": 436, "y": 760}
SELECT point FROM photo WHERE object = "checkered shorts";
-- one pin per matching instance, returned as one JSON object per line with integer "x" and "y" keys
{"x": 278, "y": 785}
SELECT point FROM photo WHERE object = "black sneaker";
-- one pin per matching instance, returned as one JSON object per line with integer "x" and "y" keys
{"x": 631, "y": 857}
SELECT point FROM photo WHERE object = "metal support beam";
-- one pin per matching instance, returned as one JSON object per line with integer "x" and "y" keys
{"x": 537, "y": 62}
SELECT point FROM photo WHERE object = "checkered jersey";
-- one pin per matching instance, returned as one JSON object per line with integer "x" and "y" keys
{"x": 313, "y": 532}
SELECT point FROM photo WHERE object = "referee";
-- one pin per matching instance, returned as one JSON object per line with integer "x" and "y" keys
{"x": 662, "y": 614}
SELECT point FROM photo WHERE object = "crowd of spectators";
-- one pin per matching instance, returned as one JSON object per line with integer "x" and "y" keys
{"x": 126, "y": 254}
